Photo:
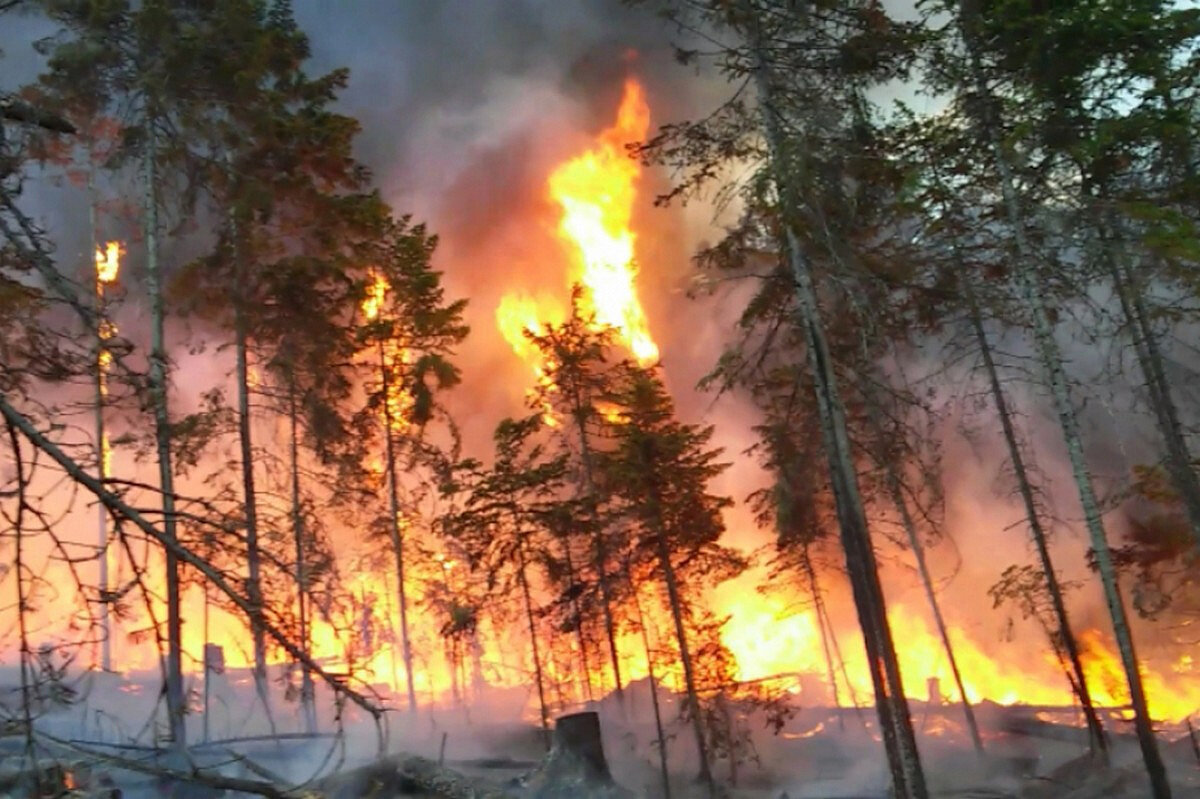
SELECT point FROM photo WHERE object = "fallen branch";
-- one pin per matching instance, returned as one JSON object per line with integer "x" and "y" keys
{"x": 399, "y": 774}
{"x": 119, "y": 506}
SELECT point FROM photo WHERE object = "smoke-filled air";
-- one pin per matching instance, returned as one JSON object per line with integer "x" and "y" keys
{"x": 599, "y": 399}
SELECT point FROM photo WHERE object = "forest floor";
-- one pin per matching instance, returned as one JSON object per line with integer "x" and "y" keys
{"x": 820, "y": 753}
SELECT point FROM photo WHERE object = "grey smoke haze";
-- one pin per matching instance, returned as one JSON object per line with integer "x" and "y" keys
{"x": 466, "y": 105}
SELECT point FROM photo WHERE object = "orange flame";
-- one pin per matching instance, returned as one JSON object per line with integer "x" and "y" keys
{"x": 596, "y": 191}
{"x": 108, "y": 262}
{"x": 399, "y": 400}
{"x": 517, "y": 315}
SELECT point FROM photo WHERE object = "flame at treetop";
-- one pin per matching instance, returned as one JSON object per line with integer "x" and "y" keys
{"x": 108, "y": 263}
{"x": 596, "y": 191}
{"x": 399, "y": 400}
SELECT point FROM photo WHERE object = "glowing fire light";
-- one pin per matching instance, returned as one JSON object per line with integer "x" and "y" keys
{"x": 399, "y": 400}
{"x": 517, "y": 315}
{"x": 596, "y": 192}
{"x": 108, "y": 262}
{"x": 108, "y": 265}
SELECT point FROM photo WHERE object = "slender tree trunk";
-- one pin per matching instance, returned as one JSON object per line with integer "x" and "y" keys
{"x": 658, "y": 724}
{"x": 891, "y": 705}
{"x": 533, "y": 641}
{"x": 572, "y": 582}
{"x": 249, "y": 494}
{"x": 1051, "y": 359}
{"x": 307, "y": 698}
{"x": 599, "y": 547}
{"x": 1179, "y": 460}
{"x": 1099, "y": 742}
{"x": 685, "y": 657}
{"x": 394, "y": 528}
{"x": 176, "y": 706}
{"x": 818, "y": 602}
{"x": 25, "y": 653}
{"x": 914, "y": 541}
{"x": 101, "y": 436}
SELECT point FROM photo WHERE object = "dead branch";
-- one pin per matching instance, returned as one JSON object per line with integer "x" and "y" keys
{"x": 119, "y": 506}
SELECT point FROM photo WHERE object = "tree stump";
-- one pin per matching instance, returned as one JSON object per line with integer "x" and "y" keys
{"x": 576, "y": 767}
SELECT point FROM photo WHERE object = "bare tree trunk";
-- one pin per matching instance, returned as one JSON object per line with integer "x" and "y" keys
{"x": 249, "y": 494}
{"x": 914, "y": 541}
{"x": 1166, "y": 414}
{"x": 572, "y": 582}
{"x": 394, "y": 528}
{"x": 1097, "y": 738}
{"x": 908, "y": 778}
{"x": 658, "y": 724}
{"x": 1051, "y": 359}
{"x": 819, "y": 603}
{"x": 176, "y": 706}
{"x": 307, "y": 698}
{"x": 25, "y": 653}
{"x": 101, "y": 436}
{"x": 685, "y": 657}
{"x": 600, "y": 549}
{"x": 533, "y": 640}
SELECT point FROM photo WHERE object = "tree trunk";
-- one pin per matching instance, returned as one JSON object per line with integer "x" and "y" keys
{"x": 598, "y": 543}
{"x": 908, "y": 778}
{"x": 1099, "y": 742}
{"x": 572, "y": 582}
{"x": 25, "y": 653}
{"x": 249, "y": 494}
{"x": 1051, "y": 359}
{"x": 1166, "y": 414}
{"x": 307, "y": 697}
{"x": 176, "y": 706}
{"x": 101, "y": 437}
{"x": 819, "y": 603}
{"x": 658, "y": 725}
{"x": 533, "y": 641}
{"x": 693, "y": 696}
{"x": 914, "y": 541}
{"x": 394, "y": 528}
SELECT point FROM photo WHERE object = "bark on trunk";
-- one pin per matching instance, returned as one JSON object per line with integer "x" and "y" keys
{"x": 658, "y": 724}
{"x": 533, "y": 640}
{"x": 914, "y": 541}
{"x": 819, "y": 603}
{"x": 394, "y": 529}
{"x": 307, "y": 693}
{"x": 101, "y": 438}
{"x": 685, "y": 657}
{"x": 1099, "y": 741}
{"x": 176, "y": 706}
{"x": 249, "y": 494}
{"x": 576, "y": 766}
{"x": 1051, "y": 359}
{"x": 1145, "y": 343}
{"x": 598, "y": 544}
{"x": 572, "y": 582}
{"x": 891, "y": 705}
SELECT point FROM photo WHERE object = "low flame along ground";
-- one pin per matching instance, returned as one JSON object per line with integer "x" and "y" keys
{"x": 595, "y": 192}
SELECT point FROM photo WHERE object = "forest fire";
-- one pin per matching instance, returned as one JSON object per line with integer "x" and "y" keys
{"x": 822, "y": 517}
{"x": 595, "y": 191}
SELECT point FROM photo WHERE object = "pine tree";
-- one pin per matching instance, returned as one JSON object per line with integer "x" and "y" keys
{"x": 659, "y": 469}
{"x": 506, "y": 524}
